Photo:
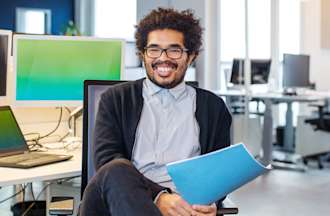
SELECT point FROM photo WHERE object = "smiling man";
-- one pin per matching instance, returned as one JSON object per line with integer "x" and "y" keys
{"x": 143, "y": 125}
{"x": 165, "y": 57}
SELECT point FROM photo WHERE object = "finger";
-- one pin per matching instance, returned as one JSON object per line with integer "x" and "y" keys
{"x": 186, "y": 206}
{"x": 205, "y": 208}
{"x": 183, "y": 212}
{"x": 172, "y": 213}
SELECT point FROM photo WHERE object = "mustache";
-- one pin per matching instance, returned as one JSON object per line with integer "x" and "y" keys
{"x": 169, "y": 63}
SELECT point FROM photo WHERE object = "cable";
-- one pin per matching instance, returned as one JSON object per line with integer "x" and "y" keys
{"x": 33, "y": 143}
{"x": 32, "y": 193}
{"x": 23, "y": 191}
{"x": 64, "y": 136}
{"x": 12, "y": 196}
{"x": 32, "y": 204}
{"x": 70, "y": 117}
{"x": 57, "y": 126}
{"x": 32, "y": 133}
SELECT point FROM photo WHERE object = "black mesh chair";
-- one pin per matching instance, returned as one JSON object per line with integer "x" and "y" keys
{"x": 92, "y": 93}
{"x": 320, "y": 123}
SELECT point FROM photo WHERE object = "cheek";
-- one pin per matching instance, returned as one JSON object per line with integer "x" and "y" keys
{"x": 182, "y": 68}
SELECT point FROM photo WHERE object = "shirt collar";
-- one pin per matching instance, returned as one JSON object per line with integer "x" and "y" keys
{"x": 176, "y": 92}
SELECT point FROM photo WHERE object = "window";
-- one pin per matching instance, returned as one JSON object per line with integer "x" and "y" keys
{"x": 289, "y": 19}
{"x": 289, "y": 39}
{"x": 33, "y": 21}
{"x": 259, "y": 28}
{"x": 115, "y": 19}
{"x": 233, "y": 29}
{"x": 232, "y": 32}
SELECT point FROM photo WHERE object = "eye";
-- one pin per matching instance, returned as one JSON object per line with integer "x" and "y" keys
{"x": 174, "y": 50}
{"x": 153, "y": 49}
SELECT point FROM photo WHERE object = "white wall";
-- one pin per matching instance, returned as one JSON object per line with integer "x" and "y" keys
{"x": 311, "y": 44}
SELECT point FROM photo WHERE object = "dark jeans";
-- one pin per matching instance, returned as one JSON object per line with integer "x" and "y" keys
{"x": 118, "y": 189}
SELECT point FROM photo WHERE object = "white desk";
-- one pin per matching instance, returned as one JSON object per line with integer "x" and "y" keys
{"x": 65, "y": 169}
{"x": 270, "y": 99}
{"x": 47, "y": 173}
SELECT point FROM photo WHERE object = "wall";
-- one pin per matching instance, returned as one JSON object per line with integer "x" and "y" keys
{"x": 62, "y": 11}
{"x": 311, "y": 44}
{"x": 325, "y": 24}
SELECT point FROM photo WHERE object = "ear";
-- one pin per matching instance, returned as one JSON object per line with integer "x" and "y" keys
{"x": 191, "y": 58}
{"x": 141, "y": 55}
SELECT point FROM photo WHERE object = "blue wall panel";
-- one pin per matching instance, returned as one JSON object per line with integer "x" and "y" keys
{"x": 62, "y": 11}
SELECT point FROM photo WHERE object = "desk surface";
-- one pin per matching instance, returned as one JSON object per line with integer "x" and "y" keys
{"x": 65, "y": 169}
{"x": 276, "y": 96}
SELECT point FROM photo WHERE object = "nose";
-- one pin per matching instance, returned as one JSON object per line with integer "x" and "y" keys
{"x": 163, "y": 56}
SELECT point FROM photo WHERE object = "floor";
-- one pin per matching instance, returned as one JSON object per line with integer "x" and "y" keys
{"x": 286, "y": 193}
{"x": 279, "y": 193}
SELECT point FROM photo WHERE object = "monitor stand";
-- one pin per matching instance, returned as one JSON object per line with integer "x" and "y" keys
{"x": 72, "y": 138}
{"x": 289, "y": 91}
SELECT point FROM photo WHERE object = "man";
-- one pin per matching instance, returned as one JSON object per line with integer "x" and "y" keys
{"x": 144, "y": 124}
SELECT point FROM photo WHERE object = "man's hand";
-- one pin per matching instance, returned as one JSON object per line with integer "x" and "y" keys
{"x": 205, "y": 210}
{"x": 174, "y": 205}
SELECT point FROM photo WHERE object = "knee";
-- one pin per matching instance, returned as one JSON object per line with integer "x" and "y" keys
{"x": 115, "y": 169}
{"x": 92, "y": 203}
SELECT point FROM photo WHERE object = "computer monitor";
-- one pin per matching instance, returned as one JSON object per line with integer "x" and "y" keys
{"x": 5, "y": 52}
{"x": 50, "y": 70}
{"x": 295, "y": 71}
{"x": 260, "y": 69}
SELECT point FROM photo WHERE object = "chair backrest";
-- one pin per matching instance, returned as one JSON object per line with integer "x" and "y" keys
{"x": 93, "y": 90}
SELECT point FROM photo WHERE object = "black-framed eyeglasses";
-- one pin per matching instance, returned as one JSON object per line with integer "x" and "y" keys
{"x": 171, "y": 52}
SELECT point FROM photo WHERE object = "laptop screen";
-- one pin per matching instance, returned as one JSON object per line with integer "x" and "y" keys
{"x": 11, "y": 137}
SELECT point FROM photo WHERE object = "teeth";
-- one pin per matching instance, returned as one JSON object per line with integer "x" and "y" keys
{"x": 164, "y": 69}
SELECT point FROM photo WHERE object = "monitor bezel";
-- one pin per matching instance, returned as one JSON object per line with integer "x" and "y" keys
{"x": 56, "y": 103}
{"x": 8, "y": 33}
{"x": 252, "y": 61}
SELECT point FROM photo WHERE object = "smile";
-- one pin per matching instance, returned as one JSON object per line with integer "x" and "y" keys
{"x": 164, "y": 69}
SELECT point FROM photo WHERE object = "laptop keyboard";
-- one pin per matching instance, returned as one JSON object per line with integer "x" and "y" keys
{"x": 28, "y": 158}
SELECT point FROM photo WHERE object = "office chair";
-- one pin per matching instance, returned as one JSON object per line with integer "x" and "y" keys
{"x": 322, "y": 123}
{"x": 92, "y": 93}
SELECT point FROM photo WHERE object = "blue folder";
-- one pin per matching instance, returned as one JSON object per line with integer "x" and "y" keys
{"x": 207, "y": 178}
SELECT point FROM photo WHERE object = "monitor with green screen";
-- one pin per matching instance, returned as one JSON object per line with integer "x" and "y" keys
{"x": 5, "y": 49}
{"x": 50, "y": 70}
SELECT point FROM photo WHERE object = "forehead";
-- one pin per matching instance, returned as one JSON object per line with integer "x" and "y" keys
{"x": 165, "y": 38}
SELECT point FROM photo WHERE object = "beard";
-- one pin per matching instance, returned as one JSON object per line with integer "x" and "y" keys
{"x": 166, "y": 84}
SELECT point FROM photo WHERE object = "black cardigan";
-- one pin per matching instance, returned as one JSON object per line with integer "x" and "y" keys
{"x": 119, "y": 113}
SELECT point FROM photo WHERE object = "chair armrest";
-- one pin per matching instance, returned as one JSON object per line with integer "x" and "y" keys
{"x": 227, "y": 207}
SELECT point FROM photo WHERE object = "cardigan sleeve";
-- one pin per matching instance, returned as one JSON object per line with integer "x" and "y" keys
{"x": 107, "y": 141}
{"x": 223, "y": 128}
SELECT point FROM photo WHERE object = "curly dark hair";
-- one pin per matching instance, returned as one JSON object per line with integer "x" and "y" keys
{"x": 168, "y": 18}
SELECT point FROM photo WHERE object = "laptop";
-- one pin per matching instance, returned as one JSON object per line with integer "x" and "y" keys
{"x": 14, "y": 151}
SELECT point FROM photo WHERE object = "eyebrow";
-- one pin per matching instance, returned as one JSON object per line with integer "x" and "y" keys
{"x": 171, "y": 45}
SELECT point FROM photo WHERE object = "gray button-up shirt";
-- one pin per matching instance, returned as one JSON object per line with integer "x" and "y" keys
{"x": 167, "y": 130}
